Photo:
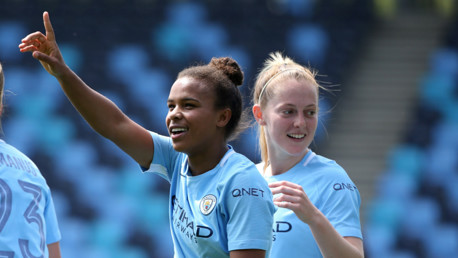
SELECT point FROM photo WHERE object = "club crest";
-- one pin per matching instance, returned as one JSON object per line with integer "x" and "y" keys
{"x": 207, "y": 204}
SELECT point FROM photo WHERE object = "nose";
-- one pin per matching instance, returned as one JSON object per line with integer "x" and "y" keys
{"x": 299, "y": 121}
{"x": 175, "y": 113}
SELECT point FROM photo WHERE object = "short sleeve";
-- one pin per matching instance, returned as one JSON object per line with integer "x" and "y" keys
{"x": 249, "y": 209}
{"x": 341, "y": 205}
{"x": 52, "y": 228}
{"x": 165, "y": 157}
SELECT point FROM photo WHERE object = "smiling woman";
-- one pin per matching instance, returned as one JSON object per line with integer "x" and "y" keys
{"x": 205, "y": 109}
{"x": 315, "y": 218}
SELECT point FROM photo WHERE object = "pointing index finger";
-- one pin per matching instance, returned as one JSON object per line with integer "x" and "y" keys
{"x": 48, "y": 27}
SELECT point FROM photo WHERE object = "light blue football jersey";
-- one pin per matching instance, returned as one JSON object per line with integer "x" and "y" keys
{"x": 227, "y": 208}
{"x": 329, "y": 188}
{"x": 28, "y": 221}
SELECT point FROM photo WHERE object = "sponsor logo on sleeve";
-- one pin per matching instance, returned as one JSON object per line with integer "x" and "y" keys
{"x": 344, "y": 186}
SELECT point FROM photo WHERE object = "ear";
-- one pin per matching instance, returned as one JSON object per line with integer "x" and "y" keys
{"x": 257, "y": 113}
{"x": 224, "y": 117}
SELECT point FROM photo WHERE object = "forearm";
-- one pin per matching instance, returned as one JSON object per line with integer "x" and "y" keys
{"x": 99, "y": 112}
{"x": 330, "y": 242}
{"x": 54, "y": 250}
{"x": 248, "y": 253}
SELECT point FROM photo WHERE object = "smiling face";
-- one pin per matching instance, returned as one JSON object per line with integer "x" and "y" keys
{"x": 193, "y": 122}
{"x": 290, "y": 118}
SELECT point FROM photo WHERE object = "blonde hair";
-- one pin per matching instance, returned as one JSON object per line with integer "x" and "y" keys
{"x": 277, "y": 68}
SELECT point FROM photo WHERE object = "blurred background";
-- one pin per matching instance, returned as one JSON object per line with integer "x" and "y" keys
{"x": 390, "y": 119}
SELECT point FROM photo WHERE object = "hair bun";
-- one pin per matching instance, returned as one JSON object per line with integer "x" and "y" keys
{"x": 230, "y": 68}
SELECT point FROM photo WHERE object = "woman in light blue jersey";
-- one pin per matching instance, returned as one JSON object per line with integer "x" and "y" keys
{"x": 28, "y": 221}
{"x": 220, "y": 206}
{"x": 318, "y": 213}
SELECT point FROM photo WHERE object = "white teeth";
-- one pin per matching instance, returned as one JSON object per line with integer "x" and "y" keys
{"x": 177, "y": 130}
{"x": 297, "y": 136}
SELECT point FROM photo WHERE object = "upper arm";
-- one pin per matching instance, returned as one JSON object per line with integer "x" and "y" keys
{"x": 248, "y": 253}
{"x": 54, "y": 250}
{"x": 134, "y": 140}
{"x": 250, "y": 210}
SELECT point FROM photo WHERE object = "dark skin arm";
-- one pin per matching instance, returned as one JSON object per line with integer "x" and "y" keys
{"x": 99, "y": 112}
{"x": 248, "y": 253}
{"x": 54, "y": 250}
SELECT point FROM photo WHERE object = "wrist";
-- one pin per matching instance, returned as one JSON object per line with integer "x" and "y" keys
{"x": 317, "y": 219}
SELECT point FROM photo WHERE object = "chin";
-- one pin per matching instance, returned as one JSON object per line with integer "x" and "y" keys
{"x": 178, "y": 147}
{"x": 296, "y": 152}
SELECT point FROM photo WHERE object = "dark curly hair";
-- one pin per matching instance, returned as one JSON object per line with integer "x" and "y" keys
{"x": 224, "y": 75}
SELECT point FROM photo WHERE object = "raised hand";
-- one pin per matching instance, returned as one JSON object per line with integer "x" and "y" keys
{"x": 44, "y": 48}
{"x": 292, "y": 196}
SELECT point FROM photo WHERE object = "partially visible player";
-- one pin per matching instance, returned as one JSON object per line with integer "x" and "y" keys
{"x": 318, "y": 213}
{"x": 28, "y": 222}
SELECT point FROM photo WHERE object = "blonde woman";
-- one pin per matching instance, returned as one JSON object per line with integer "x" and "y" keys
{"x": 318, "y": 213}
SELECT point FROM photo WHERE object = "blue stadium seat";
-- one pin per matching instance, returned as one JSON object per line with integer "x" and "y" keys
{"x": 125, "y": 62}
{"x": 301, "y": 8}
{"x": 212, "y": 39}
{"x": 443, "y": 241}
{"x": 75, "y": 237}
{"x": 444, "y": 134}
{"x": 441, "y": 164}
{"x": 406, "y": 159}
{"x": 55, "y": 132}
{"x": 451, "y": 191}
{"x": 107, "y": 234}
{"x": 176, "y": 36}
{"x": 186, "y": 13}
{"x": 22, "y": 133}
{"x": 309, "y": 42}
{"x": 386, "y": 212}
{"x": 11, "y": 33}
{"x": 72, "y": 56}
{"x": 378, "y": 240}
{"x": 437, "y": 90}
{"x": 397, "y": 186}
{"x": 74, "y": 161}
{"x": 445, "y": 61}
{"x": 420, "y": 218}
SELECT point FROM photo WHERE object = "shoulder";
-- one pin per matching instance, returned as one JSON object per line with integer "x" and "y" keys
{"x": 238, "y": 163}
{"x": 163, "y": 147}
{"x": 14, "y": 158}
{"x": 238, "y": 168}
{"x": 327, "y": 167}
{"x": 331, "y": 177}
{"x": 15, "y": 165}
{"x": 329, "y": 174}
{"x": 160, "y": 139}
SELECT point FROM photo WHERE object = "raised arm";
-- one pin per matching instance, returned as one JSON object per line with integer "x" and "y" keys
{"x": 100, "y": 113}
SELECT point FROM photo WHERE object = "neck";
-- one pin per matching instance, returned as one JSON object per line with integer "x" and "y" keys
{"x": 207, "y": 160}
{"x": 281, "y": 164}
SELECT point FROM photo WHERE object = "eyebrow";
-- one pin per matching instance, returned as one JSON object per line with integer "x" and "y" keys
{"x": 185, "y": 99}
{"x": 308, "y": 106}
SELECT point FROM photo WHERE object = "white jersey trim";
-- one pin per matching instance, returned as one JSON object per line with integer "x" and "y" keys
{"x": 307, "y": 161}
{"x": 159, "y": 169}
{"x": 228, "y": 154}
